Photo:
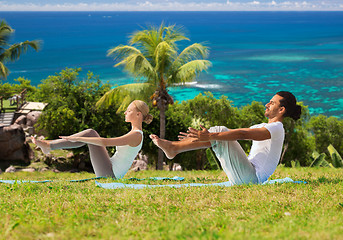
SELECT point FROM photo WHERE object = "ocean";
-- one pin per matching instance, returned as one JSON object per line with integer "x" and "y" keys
{"x": 254, "y": 54}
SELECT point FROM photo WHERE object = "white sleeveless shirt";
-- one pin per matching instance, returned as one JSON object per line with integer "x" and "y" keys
{"x": 123, "y": 158}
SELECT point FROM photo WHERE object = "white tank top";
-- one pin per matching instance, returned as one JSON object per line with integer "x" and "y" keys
{"x": 123, "y": 158}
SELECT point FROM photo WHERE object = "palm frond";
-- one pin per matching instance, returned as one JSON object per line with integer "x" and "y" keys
{"x": 192, "y": 52}
{"x": 15, "y": 50}
{"x": 139, "y": 66}
{"x": 146, "y": 40}
{"x": 164, "y": 54}
{"x": 5, "y": 33}
{"x": 122, "y": 51}
{"x": 3, "y": 71}
{"x": 123, "y": 95}
{"x": 174, "y": 34}
{"x": 188, "y": 71}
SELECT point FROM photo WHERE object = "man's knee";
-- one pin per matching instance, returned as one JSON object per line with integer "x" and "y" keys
{"x": 218, "y": 129}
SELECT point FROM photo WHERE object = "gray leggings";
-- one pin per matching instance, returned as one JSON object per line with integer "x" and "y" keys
{"x": 99, "y": 157}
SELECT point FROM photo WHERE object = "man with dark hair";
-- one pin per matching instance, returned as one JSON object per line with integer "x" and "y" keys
{"x": 265, "y": 151}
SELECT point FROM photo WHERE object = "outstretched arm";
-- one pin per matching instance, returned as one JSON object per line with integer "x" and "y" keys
{"x": 258, "y": 134}
{"x": 132, "y": 139}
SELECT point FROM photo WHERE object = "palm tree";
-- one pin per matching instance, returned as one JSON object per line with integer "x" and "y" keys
{"x": 152, "y": 57}
{"x": 12, "y": 52}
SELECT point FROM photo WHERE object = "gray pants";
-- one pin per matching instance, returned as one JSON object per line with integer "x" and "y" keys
{"x": 233, "y": 160}
{"x": 99, "y": 156}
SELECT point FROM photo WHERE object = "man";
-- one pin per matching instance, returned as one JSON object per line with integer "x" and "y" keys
{"x": 265, "y": 151}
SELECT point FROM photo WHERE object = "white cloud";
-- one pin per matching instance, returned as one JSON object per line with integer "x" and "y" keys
{"x": 181, "y": 5}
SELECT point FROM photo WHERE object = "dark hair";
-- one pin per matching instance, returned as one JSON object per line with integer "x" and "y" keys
{"x": 289, "y": 102}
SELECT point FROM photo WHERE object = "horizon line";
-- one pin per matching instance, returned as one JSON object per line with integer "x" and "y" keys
{"x": 239, "y": 10}
{"x": 147, "y": 6}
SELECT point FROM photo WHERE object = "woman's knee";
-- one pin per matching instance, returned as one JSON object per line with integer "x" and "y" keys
{"x": 91, "y": 133}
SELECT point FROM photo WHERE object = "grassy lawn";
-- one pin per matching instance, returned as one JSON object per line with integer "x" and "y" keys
{"x": 8, "y": 107}
{"x": 64, "y": 210}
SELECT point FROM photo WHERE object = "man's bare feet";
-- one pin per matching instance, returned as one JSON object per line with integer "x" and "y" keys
{"x": 42, "y": 144}
{"x": 165, "y": 145}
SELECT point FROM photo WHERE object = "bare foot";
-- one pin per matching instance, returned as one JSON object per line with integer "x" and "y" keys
{"x": 164, "y": 145}
{"x": 42, "y": 144}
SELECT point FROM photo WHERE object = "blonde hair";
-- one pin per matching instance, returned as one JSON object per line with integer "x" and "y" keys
{"x": 144, "y": 109}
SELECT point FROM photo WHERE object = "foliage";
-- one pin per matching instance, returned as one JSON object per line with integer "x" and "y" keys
{"x": 153, "y": 57}
{"x": 12, "y": 52}
{"x": 327, "y": 130}
{"x": 8, "y": 90}
{"x": 320, "y": 161}
{"x": 248, "y": 116}
{"x": 71, "y": 105}
{"x": 337, "y": 160}
{"x": 214, "y": 164}
{"x": 125, "y": 94}
{"x": 298, "y": 144}
{"x": 72, "y": 108}
{"x": 209, "y": 111}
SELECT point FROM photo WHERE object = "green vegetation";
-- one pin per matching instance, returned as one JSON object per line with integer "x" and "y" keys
{"x": 12, "y": 52}
{"x": 63, "y": 210}
{"x": 320, "y": 161}
{"x": 71, "y": 108}
{"x": 71, "y": 104}
{"x": 153, "y": 57}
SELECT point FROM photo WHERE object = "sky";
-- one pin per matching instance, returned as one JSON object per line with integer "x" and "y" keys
{"x": 168, "y": 5}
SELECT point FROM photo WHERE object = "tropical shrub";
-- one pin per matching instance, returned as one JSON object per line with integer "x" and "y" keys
{"x": 7, "y": 90}
{"x": 327, "y": 130}
{"x": 71, "y": 105}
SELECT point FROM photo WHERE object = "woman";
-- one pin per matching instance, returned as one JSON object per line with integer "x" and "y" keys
{"x": 127, "y": 146}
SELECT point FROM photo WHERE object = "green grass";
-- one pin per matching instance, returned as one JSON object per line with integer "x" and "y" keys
{"x": 63, "y": 210}
{"x": 8, "y": 107}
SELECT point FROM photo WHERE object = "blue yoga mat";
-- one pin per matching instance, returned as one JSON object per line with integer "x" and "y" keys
{"x": 116, "y": 185}
{"x": 176, "y": 178}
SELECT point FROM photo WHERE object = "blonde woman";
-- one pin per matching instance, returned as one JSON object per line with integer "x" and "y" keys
{"x": 127, "y": 146}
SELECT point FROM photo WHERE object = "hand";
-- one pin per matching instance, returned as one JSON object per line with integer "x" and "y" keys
{"x": 182, "y": 136}
{"x": 199, "y": 135}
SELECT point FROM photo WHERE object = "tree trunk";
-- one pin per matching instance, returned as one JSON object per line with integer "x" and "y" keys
{"x": 283, "y": 152}
{"x": 160, "y": 159}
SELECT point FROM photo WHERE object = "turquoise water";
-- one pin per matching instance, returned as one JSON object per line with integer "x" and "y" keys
{"x": 254, "y": 54}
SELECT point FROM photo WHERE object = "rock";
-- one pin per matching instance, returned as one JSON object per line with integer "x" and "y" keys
{"x": 165, "y": 166}
{"x": 142, "y": 157}
{"x": 28, "y": 170}
{"x": 139, "y": 165}
{"x": 13, "y": 146}
{"x": 32, "y": 118}
{"x": 44, "y": 169}
{"x": 21, "y": 120}
{"x": 11, "y": 169}
{"x": 177, "y": 167}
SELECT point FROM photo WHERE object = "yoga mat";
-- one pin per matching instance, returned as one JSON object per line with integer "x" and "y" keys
{"x": 176, "y": 178}
{"x": 115, "y": 185}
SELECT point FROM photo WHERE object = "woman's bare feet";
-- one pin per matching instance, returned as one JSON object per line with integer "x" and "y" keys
{"x": 165, "y": 145}
{"x": 42, "y": 144}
